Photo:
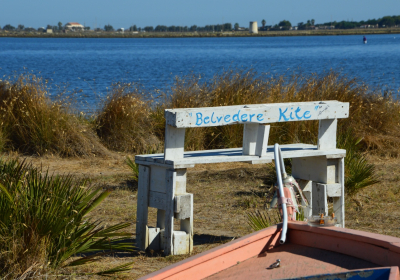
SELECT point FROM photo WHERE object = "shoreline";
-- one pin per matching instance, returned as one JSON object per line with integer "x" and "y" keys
{"x": 91, "y": 34}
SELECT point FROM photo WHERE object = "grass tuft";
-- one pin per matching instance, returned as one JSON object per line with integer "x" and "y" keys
{"x": 123, "y": 122}
{"x": 33, "y": 124}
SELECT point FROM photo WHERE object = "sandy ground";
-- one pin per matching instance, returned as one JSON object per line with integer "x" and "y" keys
{"x": 223, "y": 194}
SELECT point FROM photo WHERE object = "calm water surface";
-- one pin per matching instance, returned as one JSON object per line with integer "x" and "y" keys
{"x": 92, "y": 65}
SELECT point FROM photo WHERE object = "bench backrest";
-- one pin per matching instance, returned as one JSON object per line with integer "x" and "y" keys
{"x": 255, "y": 119}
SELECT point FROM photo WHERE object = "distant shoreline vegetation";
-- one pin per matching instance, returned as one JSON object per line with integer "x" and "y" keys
{"x": 127, "y": 120}
{"x": 384, "y": 25}
{"x": 104, "y": 34}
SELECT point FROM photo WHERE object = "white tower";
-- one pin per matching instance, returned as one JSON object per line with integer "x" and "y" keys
{"x": 253, "y": 27}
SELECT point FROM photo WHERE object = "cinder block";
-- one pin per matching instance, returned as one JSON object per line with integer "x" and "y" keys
{"x": 183, "y": 206}
{"x": 154, "y": 238}
{"x": 181, "y": 243}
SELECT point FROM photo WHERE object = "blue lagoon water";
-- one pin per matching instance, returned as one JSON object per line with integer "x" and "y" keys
{"x": 92, "y": 65}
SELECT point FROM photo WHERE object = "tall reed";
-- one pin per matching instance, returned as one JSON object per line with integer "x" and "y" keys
{"x": 32, "y": 123}
{"x": 123, "y": 122}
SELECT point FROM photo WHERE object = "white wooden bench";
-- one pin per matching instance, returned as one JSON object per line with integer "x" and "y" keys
{"x": 162, "y": 177}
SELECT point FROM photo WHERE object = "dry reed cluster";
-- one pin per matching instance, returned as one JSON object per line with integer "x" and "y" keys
{"x": 130, "y": 121}
{"x": 33, "y": 124}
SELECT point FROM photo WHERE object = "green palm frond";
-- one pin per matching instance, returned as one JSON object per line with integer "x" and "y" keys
{"x": 134, "y": 167}
{"x": 53, "y": 210}
{"x": 259, "y": 220}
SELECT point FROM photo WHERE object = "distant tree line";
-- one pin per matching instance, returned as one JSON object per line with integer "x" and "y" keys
{"x": 387, "y": 21}
{"x": 193, "y": 28}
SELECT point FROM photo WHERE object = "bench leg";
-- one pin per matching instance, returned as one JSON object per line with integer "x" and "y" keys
{"x": 338, "y": 202}
{"x": 187, "y": 226}
{"x": 142, "y": 240}
{"x": 170, "y": 179}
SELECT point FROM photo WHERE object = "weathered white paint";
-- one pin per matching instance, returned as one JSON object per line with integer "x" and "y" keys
{"x": 162, "y": 238}
{"x": 174, "y": 142}
{"x": 154, "y": 238}
{"x": 183, "y": 206}
{"x": 327, "y": 134}
{"x": 180, "y": 185}
{"x": 181, "y": 243}
{"x": 157, "y": 179}
{"x": 306, "y": 187}
{"x": 311, "y": 168}
{"x": 157, "y": 200}
{"x": 161, "y": 219}
{"x": 235, "y": 155}
{"x": 259, "y": 161}
{"x": 142, "y": 210}
{"x": 338, "y": 202}
{"x": 334, "y": 190}
{"x": 166, "y": 186}
{"x": 187, "y": 224}
{"x": 262, "y": 140}
{"x": 250, "y": 131}
{"x": 260, "y": 113}
{"x": 170, "y": 179}
{"x": 319, "y": 199}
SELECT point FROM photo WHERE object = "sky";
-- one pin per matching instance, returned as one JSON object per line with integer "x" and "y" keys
{"x": 125, "y": 13}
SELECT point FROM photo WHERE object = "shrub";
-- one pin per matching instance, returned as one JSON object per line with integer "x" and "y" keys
{"x": 359, "y": 173}
{"x": 33, "y": 124}
{"x": 43, "y": 221}
{"x": 124, "y": 122}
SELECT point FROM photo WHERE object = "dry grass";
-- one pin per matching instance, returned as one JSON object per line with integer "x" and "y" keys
{"x": 129, "y": 122}
{"x": 374, "y": 118}
{"x": 123, "y": 122}
{"x": 33, "y": 124}
{"x": 221, "y": 196}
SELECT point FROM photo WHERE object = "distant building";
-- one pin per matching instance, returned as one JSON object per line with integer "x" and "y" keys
{"x": 74, "y": 26}
{"x": 49, "y": 30}
{"x": 253, "y": 27}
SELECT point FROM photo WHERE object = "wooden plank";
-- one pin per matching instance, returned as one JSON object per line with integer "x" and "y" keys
{"x": 306, "y": 187}
{"x": 187, "y": 225}
{"x": 183, "y": 206}
{"x": 260, "y": 113}
{"x": 154, "y": 238}
{"x": 310, "y": 168}
{"x": 157, "y": 200}
{"x": 170, "y": 179}
{"x": 235, "y": 155}
{"x": 327, "y": 134}
{"x": 161, "y": 219}
{"x": 142, "y": 210}
{"x": 262, "y": 140}
{"x": 334, "y": 190}
{"x": 216, "y": 157}
{"x": 170, "y": 164}
{"x": 260, "y": 161}
{"x": 162, "y": 239}
{"x": 174, "y": 142}
{"x": 250, "y": 131}
{"x": 157, "y": 179}
{"x": 338, "y": 202}
{"x": 180, "y": 185}
{"x": 319, "y": 199}
{"x": 181, "y": 243}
